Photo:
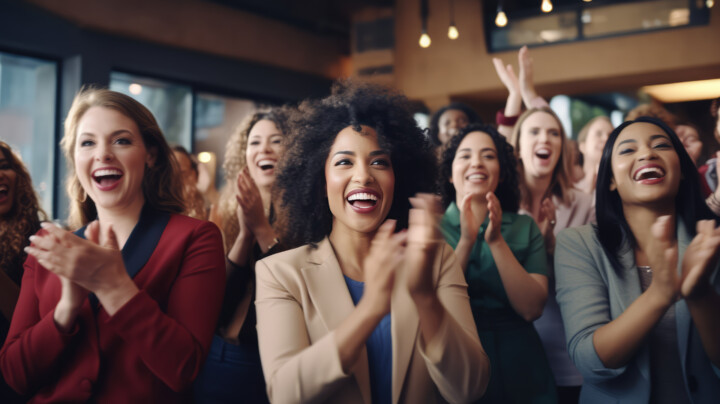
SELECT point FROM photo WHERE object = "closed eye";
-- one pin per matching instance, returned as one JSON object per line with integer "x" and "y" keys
{"x": 86, "y": 143}
{"x": 626, "y": 151}
{"x": 343, "y": 162}
{"x": 381, "y": 162}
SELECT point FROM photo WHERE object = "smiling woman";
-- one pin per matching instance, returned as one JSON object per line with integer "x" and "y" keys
{"x": 110, "y": 312}
{"x": 362, "y": 313}
{"x": 640, "y": 291}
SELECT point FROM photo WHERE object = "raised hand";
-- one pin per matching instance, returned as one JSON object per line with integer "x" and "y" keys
{"x": 423, "y": 237}
{"x": 507, "y": 75}
{"x": 492, "y": 234}
{"x": 93, "y": 267}
{"x": 250, "y": 202}
{"x": 380, "y": 266}
{"x": 663, "y": 255}
{"x": 546, "y": 223}
{"x": 469, "y": 224}
{"x": 527, "y": 81}
{"x": 699, "y": 260}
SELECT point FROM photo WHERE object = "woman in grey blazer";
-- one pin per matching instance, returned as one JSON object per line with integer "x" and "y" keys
{"x": 640, "y": 292}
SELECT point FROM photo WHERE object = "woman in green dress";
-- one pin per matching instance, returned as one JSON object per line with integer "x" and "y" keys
{"x": 504, "y": 259}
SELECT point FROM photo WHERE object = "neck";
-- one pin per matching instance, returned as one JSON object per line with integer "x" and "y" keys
{"x": 351, "y": 249}
{"x": 537, "y": 188}
{"x": 640, "y": 220}
{"x": 123, "y": 220}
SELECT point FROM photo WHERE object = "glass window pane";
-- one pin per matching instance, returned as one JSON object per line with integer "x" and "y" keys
{"x": 548, "y": 28}
{"x": 634, "y": 17}
{"x": 28, "y": 93}
{"x": 170, "y": 103}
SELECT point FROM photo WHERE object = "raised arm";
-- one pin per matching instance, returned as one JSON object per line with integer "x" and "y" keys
{"x": 527, "y": 82}
{"x": 513, "y": 105}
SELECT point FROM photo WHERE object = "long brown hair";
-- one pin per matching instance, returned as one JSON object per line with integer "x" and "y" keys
{"x": 560, "y": 184}
{"x": 161, "y": 186}
{"x": 23, "y": 219}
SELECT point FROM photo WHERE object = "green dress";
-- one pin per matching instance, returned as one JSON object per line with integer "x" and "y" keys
{"x": 519, "y": 369}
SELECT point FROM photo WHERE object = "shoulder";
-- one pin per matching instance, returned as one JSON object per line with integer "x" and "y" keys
{"x": 184, "y": 223}
{"x": 585, "y": 233}
{"x": 518, "y": 225}
{"x": 288, "y": 259}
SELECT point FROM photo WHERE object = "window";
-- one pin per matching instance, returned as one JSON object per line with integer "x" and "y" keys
{"x": 28, "y": 94}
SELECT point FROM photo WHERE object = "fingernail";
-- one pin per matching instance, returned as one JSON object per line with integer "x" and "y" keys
{"x": 44, "y": 225}
{"x": 32, "y": 238}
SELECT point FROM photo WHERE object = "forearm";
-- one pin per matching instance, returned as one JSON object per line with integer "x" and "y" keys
{"x": 513, "y": 108}
{"x": 352, "y": 334}
{"x": 462, "y": 252}
{"x": 526, "y": 294}
{"x": 239, "y": 253}
{"x": 617, "y": 342}
{"x": 704, "y": 312}
{"x": 431, "y": 314}
{"x": 112, "y": 298}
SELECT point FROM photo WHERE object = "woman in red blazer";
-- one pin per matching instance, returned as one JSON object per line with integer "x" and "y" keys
{"x": 123, "y": 310}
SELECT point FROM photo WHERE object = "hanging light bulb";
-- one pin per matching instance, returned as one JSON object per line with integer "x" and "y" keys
{"x": 501, "y": 19}
{"x": 424, "y": 40}
{"x": 546, "y": 6}
{"x": 453, "y": 32}
{"x": 709, "y": 3}
{"x": 587, "y": 1}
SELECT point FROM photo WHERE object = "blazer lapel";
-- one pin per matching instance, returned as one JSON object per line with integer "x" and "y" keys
{"x": 331, "y": 298}
{"x": 404, "y": 327}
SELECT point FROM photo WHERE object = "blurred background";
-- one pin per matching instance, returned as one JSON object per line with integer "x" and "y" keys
{"x": 201, "y": 66}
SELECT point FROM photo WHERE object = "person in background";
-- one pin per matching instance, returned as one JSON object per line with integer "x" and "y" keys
{"x": 504, "y": 259}
{"x": 690, "y": 137}
{"x": 591, "y": 140}
{"x": 361, "y": 313}
{"x": 448, "y": 120}
{"x": 640, "y": 291}
{"x": 123, "y": 309}
{"x": 233, "y": 371}
{"x": 576, "y": 161}
{"x": 20, "y": 216}
{"x": 194, "y": 201}
{"x": 547, "y": 195}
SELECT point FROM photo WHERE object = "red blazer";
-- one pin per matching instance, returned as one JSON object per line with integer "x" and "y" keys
{"x": 151, "y": 349}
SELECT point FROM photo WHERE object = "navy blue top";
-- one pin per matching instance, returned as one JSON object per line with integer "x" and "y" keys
{"x": 379, "y": 349}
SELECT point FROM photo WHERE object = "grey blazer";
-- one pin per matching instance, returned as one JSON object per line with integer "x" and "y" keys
{"x": 591, "y": 294}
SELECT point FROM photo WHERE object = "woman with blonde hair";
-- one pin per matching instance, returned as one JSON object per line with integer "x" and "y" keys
{"x": 110, "y": 313}
{"x": 591, "y": 140}
{"x": 233, "y": 372}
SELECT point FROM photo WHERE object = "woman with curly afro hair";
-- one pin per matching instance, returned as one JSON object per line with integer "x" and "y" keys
{"x": 20, "y": 215}
{"x": 361, "y": 312}
{"x": 504, "y": 259}
{"x": 233, "y": 372}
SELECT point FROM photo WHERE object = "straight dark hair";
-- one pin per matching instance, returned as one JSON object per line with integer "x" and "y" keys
{"x": 612, "y": 228}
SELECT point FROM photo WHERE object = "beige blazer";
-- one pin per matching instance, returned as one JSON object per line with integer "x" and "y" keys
{"x": 302, "y": 297}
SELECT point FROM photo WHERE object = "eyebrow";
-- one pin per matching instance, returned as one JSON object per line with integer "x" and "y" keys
{"x": 272, "y": 135}
{"x": 653, "y": 137}
{"x": 117, "y": 132}
{"x": 372, "y": 154}
{"x": 467, "y": 149}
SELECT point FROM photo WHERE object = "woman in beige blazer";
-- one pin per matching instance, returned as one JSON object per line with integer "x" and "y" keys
{"x": 354, "y": 162}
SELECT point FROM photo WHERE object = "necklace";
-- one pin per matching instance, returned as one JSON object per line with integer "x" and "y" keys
{"x": 645, "y": 268}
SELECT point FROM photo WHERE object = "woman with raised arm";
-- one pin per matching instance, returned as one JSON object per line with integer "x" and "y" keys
{"x": 548, "y": 196}
{"x": 639, "y": 291}
{"x": 122, "y": 310}
{"x": 233, "y": 372}
{"x": 504, "y": 259}
{"x": 363, "y": 313}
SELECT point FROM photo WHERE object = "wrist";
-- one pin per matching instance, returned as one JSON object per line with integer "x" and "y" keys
{"x": 372, "y": 307}
{"x": 661, "y": 296}
{"x": 265, "y": 236}
{"x": 502, "y": 119}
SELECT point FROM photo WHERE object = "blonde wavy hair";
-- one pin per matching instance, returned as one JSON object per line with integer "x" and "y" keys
{"x": 560, "y": 184}
{"x": 234, "y": 163}
{"x": 162, "y": 186}
{"x": 23, "y": 219}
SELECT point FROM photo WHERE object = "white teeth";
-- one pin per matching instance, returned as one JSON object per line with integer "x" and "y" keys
{"x": 477, "y": 177}
{"x": 4, "y": 188}
{"x": 543, "y": 152}
{"x": 107, "y": 171}
{"x": 654, "y": 170}
{"x": 265, "y": 162}
{"x": 361, "y": 196}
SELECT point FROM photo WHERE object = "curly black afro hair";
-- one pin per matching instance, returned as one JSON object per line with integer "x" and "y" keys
{"x": 508, "y": 191}
{"x": 303, "y": 213}
{"x": 434, "y": 127}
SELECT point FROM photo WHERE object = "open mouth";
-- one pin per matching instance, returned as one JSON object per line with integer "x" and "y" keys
{"x": 107, "y": 178}
{"x": 4, "y": 192}
{"x": 363, "y": 201}
{"x": 543, "y": 154}
{"x": 649, "y": 174}
{"x": 476, "y": 177}
{"x": 266, "y": 164}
